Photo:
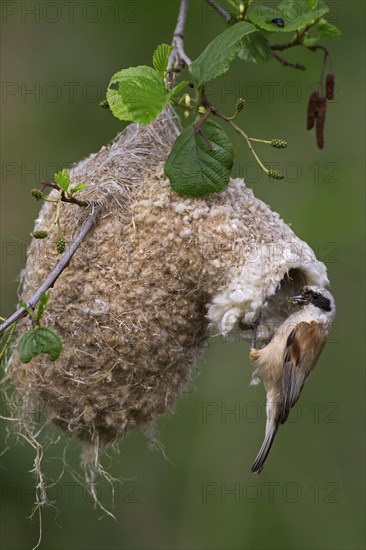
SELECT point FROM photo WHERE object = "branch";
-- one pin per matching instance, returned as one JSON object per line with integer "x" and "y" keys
{"x": 297, "y": 41}
{"x": 287, "y": 63}
{"x": 224, "y": 14}
{"x": 178, "y": 55}
{"x": 54, "y": 275}
{"x": 64, "y": 198}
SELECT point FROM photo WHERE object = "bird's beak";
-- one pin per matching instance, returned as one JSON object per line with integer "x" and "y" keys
{"x": 298, "y": 300}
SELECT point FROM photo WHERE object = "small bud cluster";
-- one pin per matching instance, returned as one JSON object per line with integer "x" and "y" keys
{"x": 61, "y": 246}
{"x": 275, "y": 174}
{"x": 37, "y": 194}
{"x": 279, "y": 143}
{"x": 41, "y": 234}
{"x": 240, "y": 104}
{"x": 104, "y": 104}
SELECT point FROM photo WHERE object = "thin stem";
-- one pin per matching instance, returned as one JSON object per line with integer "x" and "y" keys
{"x": 57, "y": 216}
{"x": 11, "y": 332}
{"x": 54, "y": 275}
{"x": 287, "y": 63}
{"x": 297, "y": 41}
{"x": 250, "y": 146}
{"x": 59, "y": 230}
{"x": 258, "y": 140}
{"x": 223, "y": 13}
{"x": 325, "y": 59}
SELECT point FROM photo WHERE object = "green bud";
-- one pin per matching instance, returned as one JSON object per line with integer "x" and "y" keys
{"x": 41, "y": 234}
{"x": 37, "y": 194}
{"x": 240, "y": 104}
{"x": 279, "y": 143}
{"x": 61, "y": 246}
{"x": 275, "y": 174}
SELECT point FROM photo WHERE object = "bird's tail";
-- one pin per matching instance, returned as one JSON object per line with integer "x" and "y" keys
{"x": 264, "y": 450}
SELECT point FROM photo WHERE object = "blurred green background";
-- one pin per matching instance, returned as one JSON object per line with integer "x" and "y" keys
{"x": 202, "y": 495}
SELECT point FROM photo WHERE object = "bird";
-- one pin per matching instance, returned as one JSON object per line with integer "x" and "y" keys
{"x": 285, "y": 363}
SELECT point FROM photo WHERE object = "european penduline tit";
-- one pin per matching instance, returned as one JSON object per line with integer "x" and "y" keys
{"x": 287, "y": 360}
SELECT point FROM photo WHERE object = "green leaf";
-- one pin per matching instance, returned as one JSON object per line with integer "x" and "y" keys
{"x": 327, "y": 29}
{"x": 178, "y": 88}
{"x": 77, "y": 187}
{"x": 39, "y": 340}
{"x": 161, "y": 58}
{"x": 137, "y": 94}
{"x": 313, "y": 4}
{"x": 256, "y": 48}
{"x": 197, "y": 165}
{"x": 62, "y": 179}
{"x": 296, "y": 15}
{"x": 216, "y": 58}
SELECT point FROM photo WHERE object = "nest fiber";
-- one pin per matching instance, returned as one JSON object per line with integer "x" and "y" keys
{"x": 158, "y": 274}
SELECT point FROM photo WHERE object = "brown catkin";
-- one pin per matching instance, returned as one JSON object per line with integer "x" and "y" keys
{"x": 320, "y": 122}
{"x": 312, "y": 110}
{"x": 329, "y": 86}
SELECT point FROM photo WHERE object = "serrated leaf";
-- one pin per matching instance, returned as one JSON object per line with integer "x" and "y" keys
{"x": 255, "y": 48}
{"x": 216, "y": 58}
{"x": 198, "y": 165}
{"x": 296, "y": 15}
{"x": 62, "y": 179}
{"x": 77, "y": 187}
{"x": 327, "y": 29}
{"x": 137, "y": 94}
{"x": 161, "y": 58}
{"x": 39, "y": 340}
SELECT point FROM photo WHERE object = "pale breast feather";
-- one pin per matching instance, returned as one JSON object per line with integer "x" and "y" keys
{"x": 303, "y": 348}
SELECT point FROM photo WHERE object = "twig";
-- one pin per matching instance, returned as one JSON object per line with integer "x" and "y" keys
{"x": 178, "y": 55}
{"x": 64, "y": 198}
{"x": 73, "y": 200}
{"x": 287, "y": 63}
{"x": 297, "y": 41}
{"x": 51, "y": 279}
{"x": 224, "y": 14}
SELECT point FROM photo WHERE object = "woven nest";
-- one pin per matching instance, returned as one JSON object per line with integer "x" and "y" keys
{"x": 157, "y": 275}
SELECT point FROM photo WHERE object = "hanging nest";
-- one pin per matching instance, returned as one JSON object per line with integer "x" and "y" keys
{"x": 157, "y": 275}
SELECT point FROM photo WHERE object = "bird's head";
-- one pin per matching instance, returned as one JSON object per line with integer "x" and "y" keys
{"x": 316, "y": 296}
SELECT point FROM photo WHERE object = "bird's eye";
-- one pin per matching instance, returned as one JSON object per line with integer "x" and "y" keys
{"x": 315, "y": 295}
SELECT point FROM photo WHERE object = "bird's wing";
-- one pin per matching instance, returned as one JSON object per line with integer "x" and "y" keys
{"x": 303, "y": 347}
